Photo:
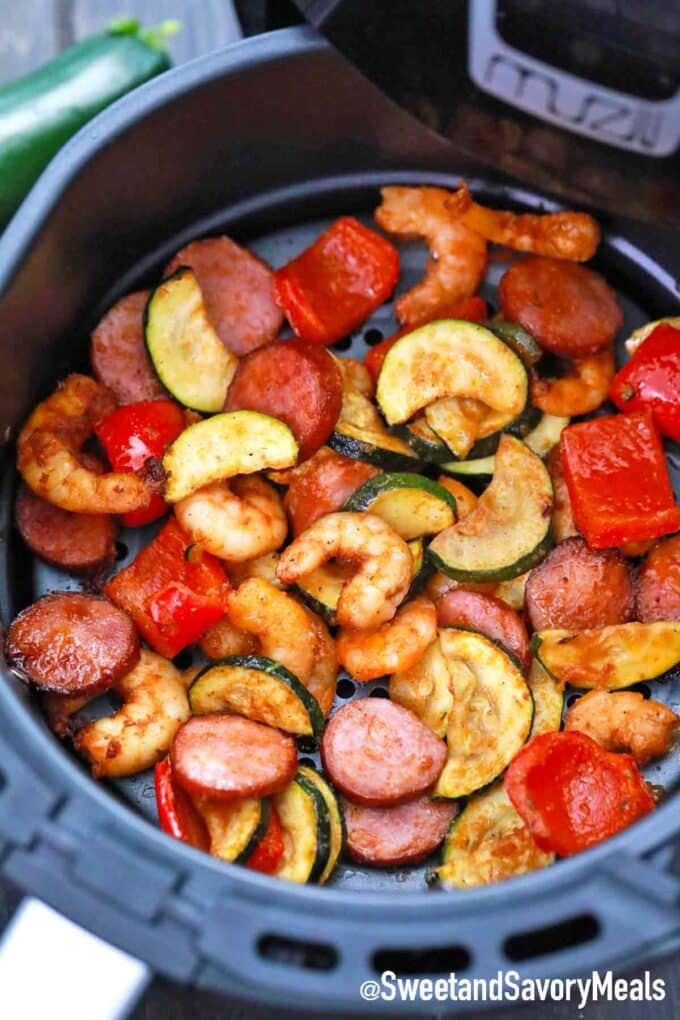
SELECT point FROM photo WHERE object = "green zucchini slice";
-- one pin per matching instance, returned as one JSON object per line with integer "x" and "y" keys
{"x": 235, "y": 827}
{"x": 411, "y": 504}
{"x": 518, "y": 340}
{"x": 477, "y": 469}
{"x": 508, "y": 532}
{"x": 521, "y": 427}
{"x": 548, "y": 695}
{"x": 512, "y": 592}
{"x": 257, "y": 688}
{"x": 451, "y": 358}
{"x": 610, "y": 657}
{"x": 306, "y": 825}
{"x": 425, "y": 689}
{"x": 189, "y": 358}
{"x": 424, "y": 442}
{"x": 335, "y": 818}
{"x": 488, "y": 842}
{"x": 374, "y": 447}
{"x": 236, "y": 443}
{"x": 490, "y": 715}
{"x": 546, "y": 434}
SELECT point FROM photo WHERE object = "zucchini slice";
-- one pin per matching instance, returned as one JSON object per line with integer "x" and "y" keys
{"x": 490, "y": 716}
{"x": 335, "y": 818}
{"x": 425, "y": 689}
{"x": 521, "y": 427}
{"x": 546, "y": 434}
{"x": 306, "y": 825}
{"x": 375, "y": 447}
{"x": 260, "y": 689}
{"x": 512, "y": 592}
{"x": 548, "y": 695}
{"x": 411, "y": 504}
{"x": 424, "y": 442}
{"x": 189, "y": 358}
{"x": 450, "y": 358}
{"x": 611, "y": 657}
{"x": 488, "y": 842}
{"x": 508, "y": 532}
{"x": 480, "y": 469}
{"x": 236, "y": 443}
{"x": 518, "y": 340}
{"x": 235, "y": 827}
{"x": 422, "y": 568}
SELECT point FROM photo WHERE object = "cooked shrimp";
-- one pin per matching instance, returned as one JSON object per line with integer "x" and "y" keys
{"x": 262, "y": 566}
{"x": 49, "y": 446}
{"x": 236, "y": 520}
{"x": 280, "y": 624}
{"x": 384, "y": 565}
{"x": 581, "y": 391}
{"x": 224, "y": 639}
{"x": 323, "y": 679}
{"x": 393, "y": 647}
{"x": 60, "y": 708}
{"x": 138, "y": 735}
{"x": 560, "y": 235}
{"x": 458, "y": 254}
{"x": 625, "y": 721}
{"x": 466, "y": 500}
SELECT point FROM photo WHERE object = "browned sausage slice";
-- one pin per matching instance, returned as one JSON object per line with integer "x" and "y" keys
{"x": 388, "y": 836}
{"x": 570, "y": 310}
{"x": 238, "y": 290}
{"x": 578, "y": 588}
{"x": 658, "y": 588}
{"x": 72, "y": 644}
{"x": 487, "y": 614}
{"x": 79, "y": 543}
{"x": 295, "y": 381}
{"x": 118, "y": 352}
{"x": 227, "y": 756}
{"x": 378, "y": 753}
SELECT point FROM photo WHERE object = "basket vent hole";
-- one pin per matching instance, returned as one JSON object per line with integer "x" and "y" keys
{"x": 183, "y": 659}
{"x": 121, "y": 551}
{"x": 295, "y": 953}
{"x": 644, "y": 689}
{"x": 308, "y": 763}
{"x": 373, "y": 337}
{"x": 542, "y": 941}
{"x": 433, "y": 960}
{"x": 379, "y": 692}
{"x": 344, "y": 344}
{"x": 345, "y": 688}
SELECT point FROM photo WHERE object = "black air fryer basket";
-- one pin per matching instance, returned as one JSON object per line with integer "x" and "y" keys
{"x": 268, "y": 141}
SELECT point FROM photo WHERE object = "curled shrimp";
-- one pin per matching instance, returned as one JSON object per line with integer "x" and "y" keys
{"x": 323, "y": 678}
{"x": 458, "y": 254}
{"x": 384, "y": 565}
{"x": 581, "y": 391}
{"x": 393, "y": 647}
{"x": 48, "y": 453}
{"x": 280, "y": 624}
{"x": 140, "y": 733}
{"x": 625, "y": 721}
{"x": 224, "y": 639}
{"x": 561, "y": 235}
{"x": 236, "y": 520}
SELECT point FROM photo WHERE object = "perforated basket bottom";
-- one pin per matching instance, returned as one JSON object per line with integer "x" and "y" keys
{"x": 295, "y": 231}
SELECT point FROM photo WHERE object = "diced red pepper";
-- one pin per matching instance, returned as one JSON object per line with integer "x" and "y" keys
{"x": 172, "y": 596}
{"x": 135, "y": 433}
{"x": 472, "y": 309}
{"x": 652, "y": 379}
{"x": 269, "y": 850}
{"x": 617, "y": 478}
{"x": 176, "y": 813}
{"x": 572, "y": 794}
{"x": 329, "y": 289}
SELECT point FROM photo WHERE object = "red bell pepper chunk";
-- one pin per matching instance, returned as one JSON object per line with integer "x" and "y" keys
{"x": 617, "y": 478}
{"x": 335, "y": 284}
{"x": 572, "y": 794}
{"x": 176, "y": 813}
{"x": 135, "y": 433}
{"x": 172, "y": 596}
{"x": 269, "y": 851}
{"x": 472, "y": 309}
{"x": 652, "y": 379}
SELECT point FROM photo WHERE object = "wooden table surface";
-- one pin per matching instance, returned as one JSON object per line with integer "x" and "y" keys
{"x": 30, "y": 32}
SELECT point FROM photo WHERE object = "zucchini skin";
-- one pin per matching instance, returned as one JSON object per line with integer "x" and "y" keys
{"x": 520, "y": 427}
{"x": 365, "y": 496}
{"x": 362, "y": 449}
{"x": 41, "y": 111}
{"x": 520, "y": 566}
{"x": 258, "y": 834}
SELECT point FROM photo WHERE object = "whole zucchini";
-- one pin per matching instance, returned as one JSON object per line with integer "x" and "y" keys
{"x": 40, "y": 111}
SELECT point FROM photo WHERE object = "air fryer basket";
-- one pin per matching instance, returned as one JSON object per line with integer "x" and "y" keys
{"x": 181, "y": 159}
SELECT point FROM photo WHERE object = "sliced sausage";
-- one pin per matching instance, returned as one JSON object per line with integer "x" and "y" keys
{"x": 578, "y": 588}
{"x": 238, "y": 291}
{"x": 227, "y": 756}
{"x": 378, "y": 753}
{"x": 79, "y": 543}
{"x": 487, "y": 614}
{"x": 570, "y": 310}
{"x": 72, "y": 644}
{"x": 297, "y": 382}
{"x": 657, "y": 595}
{"x": 388, "y": 836}
{"x": 118, "y": 352}
{"x": 323, "y": 485}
